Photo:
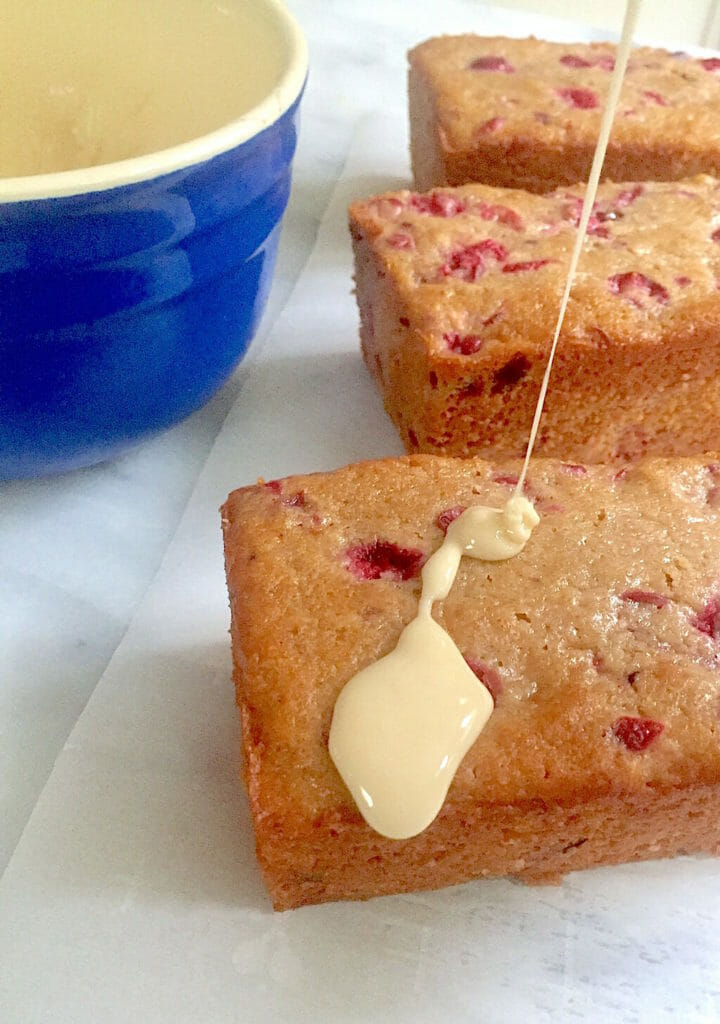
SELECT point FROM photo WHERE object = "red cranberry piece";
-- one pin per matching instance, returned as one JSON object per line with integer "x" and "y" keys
{"x": 493, "y": 125}
{"x": 472, "y": 390}
{"x": 634, "y": 281}
{"x": 716, "y": 235}
{"x": 620, "y": 475}
{"x": 401, "y": 241}
{"x": 605, "y": 62}
{"x": 468, "y": 344}
{"x": 655, "y": 97}
{"x": 468, "y": 264}
{"x": 682, "y": 281}
{"x": 632, "y": 677}
{"x": 491, "y": 63}
{"x": 573, "y": 212}
{"x": 488, "y": 676}
{"x": 599, "y": 218}
{"x": 572, "y": 209}
{"x": 449, "y": 516}
{"x": 404, "y": 321}
{"x": 437, "y": 204}
{"x": 506, "y": 479}
{"x": 573, "y": 469}
{"x": 711, "y": 63}
{"x": 464, "y": 344}
{"x": 713, "y": 494}
{"x": 501, "y": 214}
{"x": 296, "y": 500}
{"x": 572, "y": 60}
{"x": 707, "y": 619}
{"x": 519, "y": 268}
{"x": 627, "y": 196}
{"x": 447, "y": 206}
{"x": 383, "y": 560}
{"x": 496, "y": 249}
{"x": 581, "y": 99}
{"x": 636, "y": 733}
{"x": 646, "y": 597}
{"x": 492, "y": 318}
{"x": 510, "y": 374}
{"x": 387, "y": 206}
{"x": 413, "y": 438}
{"x": 544, "y": 506}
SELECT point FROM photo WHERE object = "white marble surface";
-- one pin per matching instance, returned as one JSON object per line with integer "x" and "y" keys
{"x": 78, "y": 554}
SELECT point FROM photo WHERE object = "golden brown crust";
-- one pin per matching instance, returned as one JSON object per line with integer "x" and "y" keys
{"x": 610, "y": 613}
{"x": 535, "y": 842}
{"x": 458, "y": 291}
{"x": 522, "y": 128}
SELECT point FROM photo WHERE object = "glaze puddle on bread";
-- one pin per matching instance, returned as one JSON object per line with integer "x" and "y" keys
{"x": 402, "y": 725}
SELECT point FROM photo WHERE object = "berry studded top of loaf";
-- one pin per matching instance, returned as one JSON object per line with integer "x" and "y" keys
{"x": 600, "y": 642}
{"x": 487, "y": 88}
{"x": 476, "y": 267}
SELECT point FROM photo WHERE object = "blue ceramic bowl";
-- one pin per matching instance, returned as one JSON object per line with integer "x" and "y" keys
{"x": 130, "y": 290}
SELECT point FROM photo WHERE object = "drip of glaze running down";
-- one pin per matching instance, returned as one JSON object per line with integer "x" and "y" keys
{"x": 402, "y": 725}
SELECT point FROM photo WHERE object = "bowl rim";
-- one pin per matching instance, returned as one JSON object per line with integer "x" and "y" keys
{"x": 102, "y": 177}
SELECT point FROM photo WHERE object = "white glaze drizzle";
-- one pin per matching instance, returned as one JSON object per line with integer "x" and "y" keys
{"x": 621, "y": 58}
{"x": 402, "y": 725}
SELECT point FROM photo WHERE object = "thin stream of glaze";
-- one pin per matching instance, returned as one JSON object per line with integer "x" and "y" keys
{"x": 402, "y": 725}
{"x": 621, "y": 58}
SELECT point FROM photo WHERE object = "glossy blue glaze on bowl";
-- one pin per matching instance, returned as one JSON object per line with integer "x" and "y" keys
{"x": 123, "y": 309}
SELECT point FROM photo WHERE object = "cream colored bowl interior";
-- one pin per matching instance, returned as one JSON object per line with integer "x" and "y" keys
{"x": 89, "y": 82}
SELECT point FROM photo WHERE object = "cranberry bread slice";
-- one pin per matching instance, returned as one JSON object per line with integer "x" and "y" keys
{"x": 525, "y": 113}
{"x": 600, "y": 643}
{"x": 459, "y": 290}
